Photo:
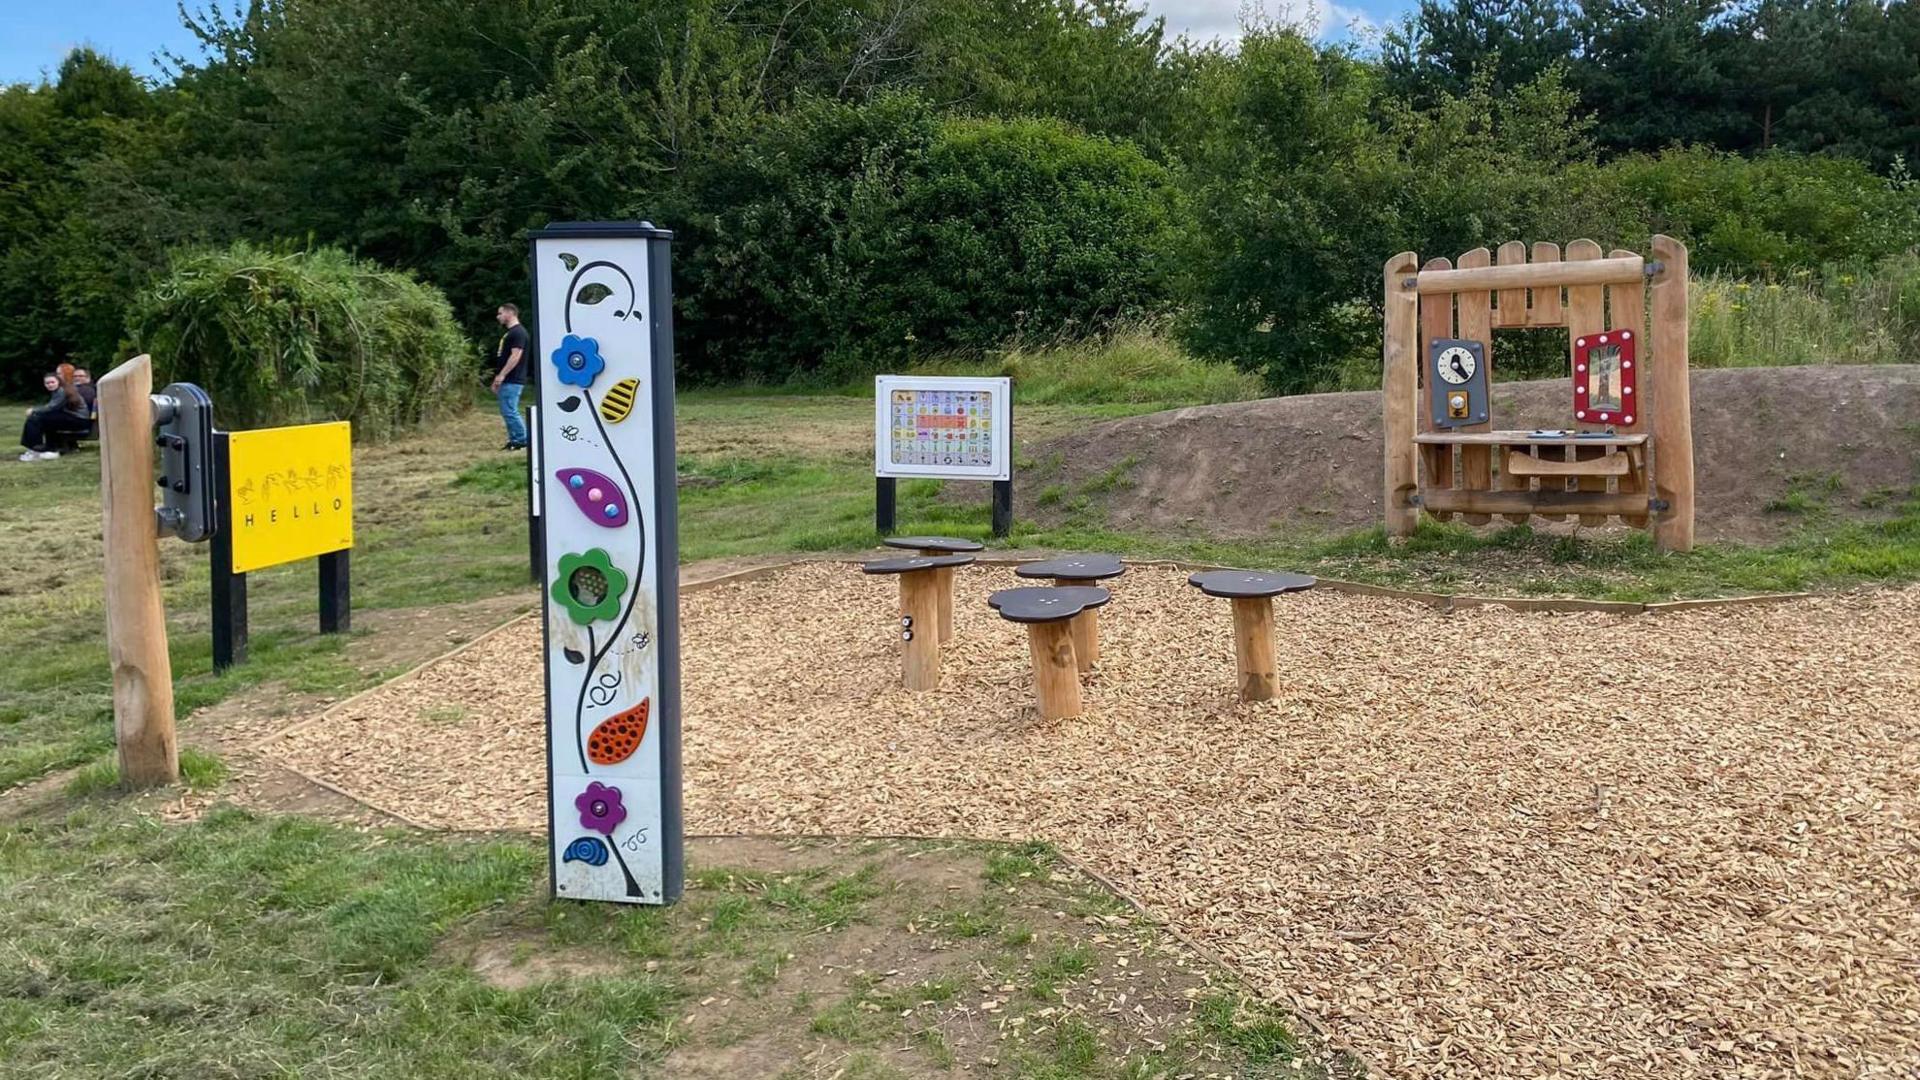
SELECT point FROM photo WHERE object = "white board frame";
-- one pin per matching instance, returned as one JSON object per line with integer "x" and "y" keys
{"x": 609, "y": 664}
{"x": 1001, "y": 468}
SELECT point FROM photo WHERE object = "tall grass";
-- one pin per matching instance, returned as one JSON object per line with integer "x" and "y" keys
{"x": 1843, "y": 315}
{"x": 1133, "y": 365}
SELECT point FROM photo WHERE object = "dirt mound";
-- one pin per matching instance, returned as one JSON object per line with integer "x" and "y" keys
{"x": 1771, "y": 445}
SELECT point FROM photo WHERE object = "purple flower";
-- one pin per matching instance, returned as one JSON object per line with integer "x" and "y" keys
{"x": 600, "y": 808}
{"x": 578, "y": 360}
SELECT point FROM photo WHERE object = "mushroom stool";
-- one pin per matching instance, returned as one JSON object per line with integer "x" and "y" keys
{"x": 919, "y": 612}
{"x": 939, "y": 545}
{"x": 1077, "y": 570}
{"x": 1048, "y": 615}
{"x": 1252, "y": 594}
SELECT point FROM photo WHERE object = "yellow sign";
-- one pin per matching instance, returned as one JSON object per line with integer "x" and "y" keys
{"x": 291, "y": 493}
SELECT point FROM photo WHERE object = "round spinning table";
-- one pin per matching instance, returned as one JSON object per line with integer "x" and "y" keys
{"x": 939, "y": 545}
{"x": 1252, "y": 593}
{"x": 1049, "y": 615}
{"x": 1078, "y": 570}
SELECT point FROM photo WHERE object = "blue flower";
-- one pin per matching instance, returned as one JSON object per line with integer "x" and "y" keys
{"x": 579, "y": 360}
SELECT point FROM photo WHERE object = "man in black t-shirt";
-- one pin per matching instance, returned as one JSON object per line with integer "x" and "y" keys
{"x": 510, "y": 366}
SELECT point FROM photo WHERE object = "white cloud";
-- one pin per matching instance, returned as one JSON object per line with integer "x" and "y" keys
{"x": 1222, "y": 20}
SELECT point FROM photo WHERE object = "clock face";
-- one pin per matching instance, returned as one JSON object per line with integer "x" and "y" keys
{"x": 1455, "y": 365}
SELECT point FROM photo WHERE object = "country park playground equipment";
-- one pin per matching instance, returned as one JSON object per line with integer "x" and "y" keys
{"x": 1629, "y": 451}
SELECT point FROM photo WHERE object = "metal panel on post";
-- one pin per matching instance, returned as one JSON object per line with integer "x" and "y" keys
{"x": 608, "y": 511}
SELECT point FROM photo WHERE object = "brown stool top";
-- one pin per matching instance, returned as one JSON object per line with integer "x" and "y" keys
{"x": 1075, "y": 568}
{"x": 1248, "y": 584}
{"x": 947, "y": 544}
{"x": 1041, "y": 604}
{"x": 907, "y": 564}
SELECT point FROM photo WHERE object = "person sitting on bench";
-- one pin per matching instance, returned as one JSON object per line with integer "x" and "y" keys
{"x": 65, "y": 411}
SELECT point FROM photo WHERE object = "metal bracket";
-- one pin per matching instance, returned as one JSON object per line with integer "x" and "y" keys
{"x": 183, "y": 420}
{"x": 1413, "y": 500}
{"x": 1652, "y": 267}
{"x": 1659, "y": 506}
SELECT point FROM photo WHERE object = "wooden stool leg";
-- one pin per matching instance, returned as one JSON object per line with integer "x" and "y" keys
{"x": 1086, "y": 633}
{"x": 944, "y": 576}
{"x": 1253, "y": 646}
{"x": 920, "y": 637}
{"x": 1056, "y": 677}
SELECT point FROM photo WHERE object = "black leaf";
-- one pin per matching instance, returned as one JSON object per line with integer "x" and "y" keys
{"x": 575, "y": 656}
{"x": 570, "y": 404}
{"x": 571, "y": 260}
{"x": 592, "y": 293}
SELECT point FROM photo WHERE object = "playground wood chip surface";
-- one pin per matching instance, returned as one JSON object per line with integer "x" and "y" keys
{"x": 1477, "y": 844}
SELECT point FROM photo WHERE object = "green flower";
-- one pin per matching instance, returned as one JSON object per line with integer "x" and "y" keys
{"x": 590, "y": 587}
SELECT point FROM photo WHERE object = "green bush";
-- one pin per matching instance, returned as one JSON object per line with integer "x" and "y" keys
{"x": 310, "y": 335}
{"x": 840, "y": 238}
{"x": 1771, "y": 213}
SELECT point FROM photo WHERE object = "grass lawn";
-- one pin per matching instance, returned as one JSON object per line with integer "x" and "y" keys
{"x": 244, "y": 945}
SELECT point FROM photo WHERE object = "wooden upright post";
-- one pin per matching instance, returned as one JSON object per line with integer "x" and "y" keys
{"x": 1086, "y": 631}
{"x": 1399, "y": 361}
{"x": 1253, "y": 646}
{"x": 1672, "y": 399}
{"x": 136, "y": 620}
{"x": 1056, "y": 675}
{"x": 920, "y": 629}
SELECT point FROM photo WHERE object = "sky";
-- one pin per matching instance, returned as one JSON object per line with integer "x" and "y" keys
{"x": 36, "y": 34}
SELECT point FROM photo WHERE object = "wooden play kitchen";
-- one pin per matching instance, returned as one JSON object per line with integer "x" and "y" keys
{"x": 1074, "y": 570}
{"x": 920, "y": 591}
{"x": 1049, "y": 614}
{"x": 1628, "y": 453}
{"x": 1252, "y": 594}
{"x": 939, "y": 545}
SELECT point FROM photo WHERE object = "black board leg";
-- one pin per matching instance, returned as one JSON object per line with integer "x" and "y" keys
{"x": 1002, "y": 507}
{"x": 229, "y": 590}
{"x": 883, "y": 504}
{"x": 336, "y": 592}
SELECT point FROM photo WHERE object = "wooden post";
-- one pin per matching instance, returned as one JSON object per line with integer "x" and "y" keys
{"x": 1476, "y": 324}
{"x": 943, "y": 580}
{"x": 1086, "y": 631}
{"x": 136, "y": 619}
{"x": 1672, "y": 402}
{"x": 1056, "y": 675}
{"x": 920, "y": 629}
{"x": 1253, "y": 646}
{"x": 1399, "y": 360}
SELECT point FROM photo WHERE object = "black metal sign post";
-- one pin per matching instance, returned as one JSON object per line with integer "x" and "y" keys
{"x": 229, "y": 588}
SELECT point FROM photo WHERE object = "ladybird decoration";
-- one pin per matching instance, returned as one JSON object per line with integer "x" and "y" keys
{"x": 617, "y": 402}
{"x": 615, "y": 739}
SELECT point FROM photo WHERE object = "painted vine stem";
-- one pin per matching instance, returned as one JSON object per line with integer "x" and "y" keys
{"x": 597, "y": 652}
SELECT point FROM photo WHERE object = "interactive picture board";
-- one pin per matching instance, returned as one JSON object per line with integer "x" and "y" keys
{"x": 291, "y": 490}
{"x": 603, "y": 349}
{"x": 959, "y": 428}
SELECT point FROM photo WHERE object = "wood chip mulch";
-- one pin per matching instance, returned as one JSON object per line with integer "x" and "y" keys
{"x": 1477, "y": 844}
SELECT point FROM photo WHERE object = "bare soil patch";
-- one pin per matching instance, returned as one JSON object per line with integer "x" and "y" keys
{"x": 1482, "y": 843}
{"x": 1848, "y": 435}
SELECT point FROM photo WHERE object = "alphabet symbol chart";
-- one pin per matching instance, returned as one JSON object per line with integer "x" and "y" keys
{"x": 950, "y": 427}
{"x": 943, "y": 427}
